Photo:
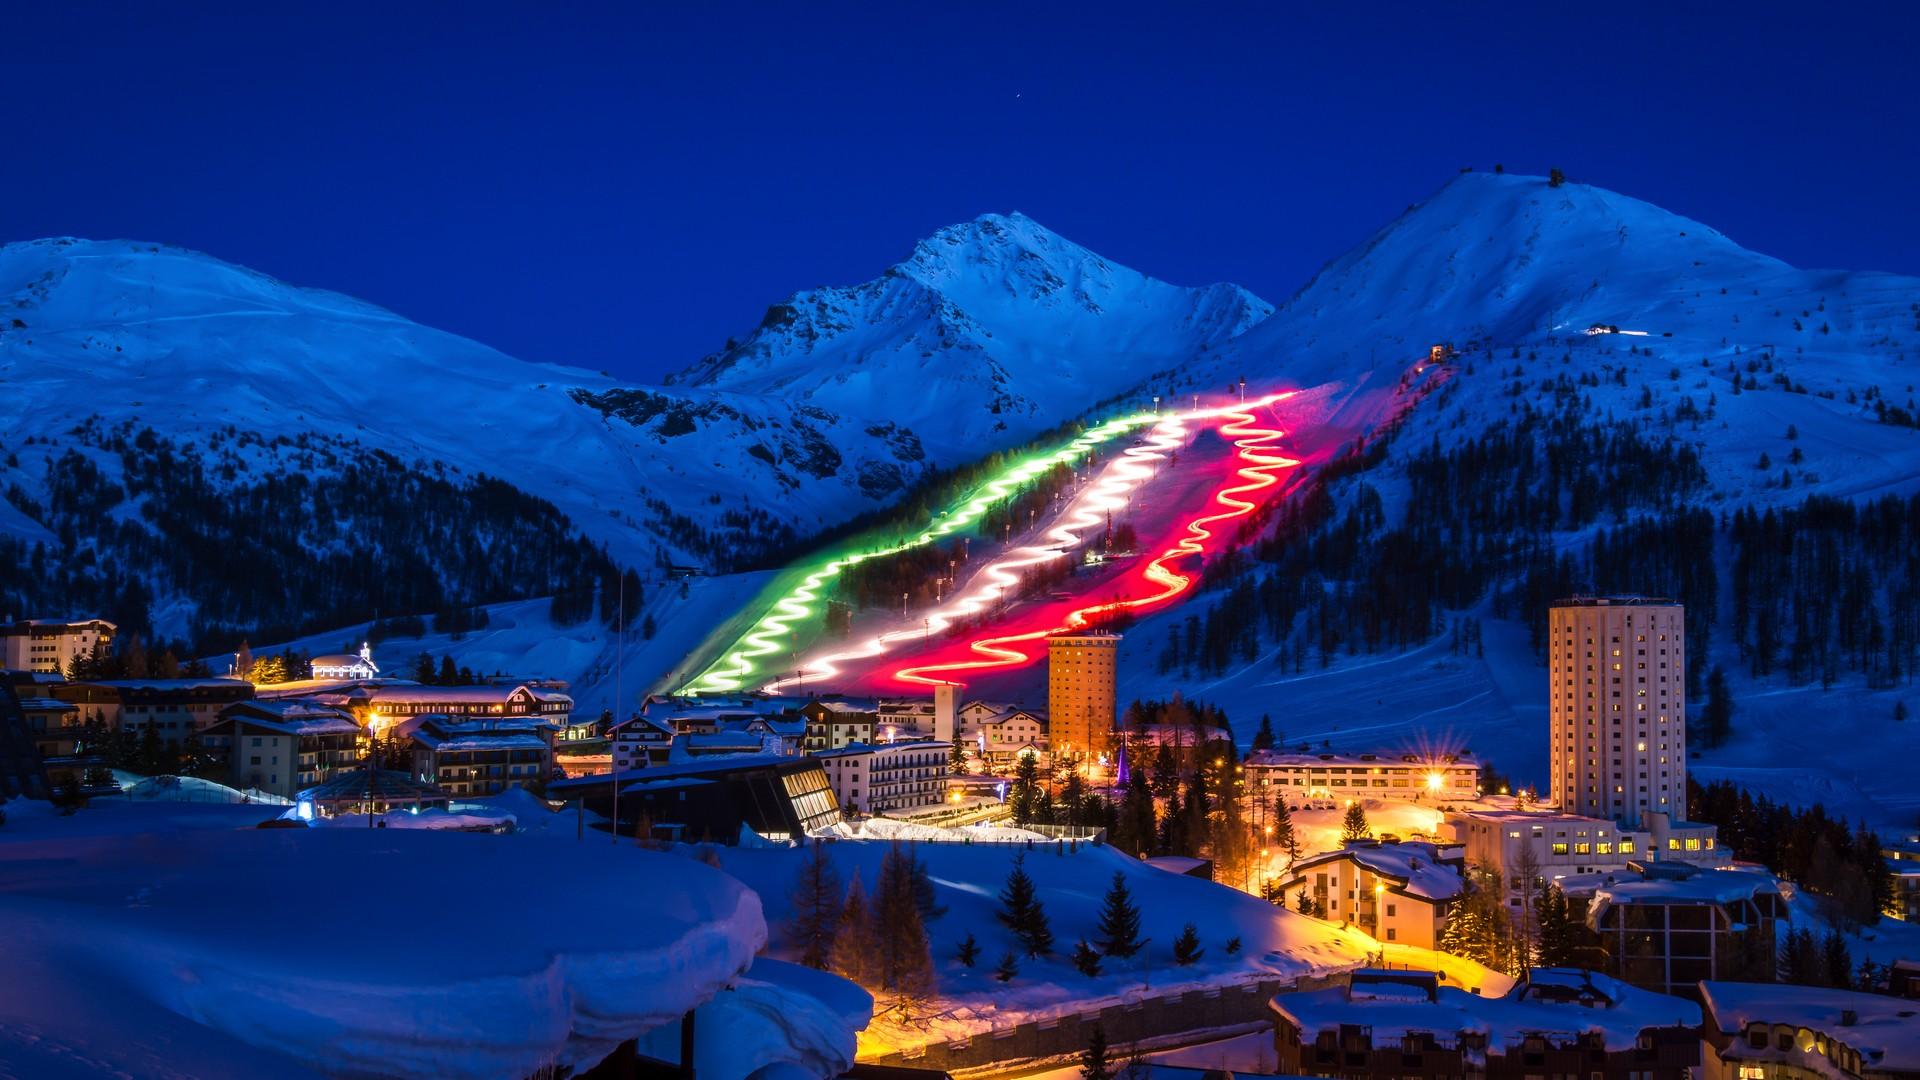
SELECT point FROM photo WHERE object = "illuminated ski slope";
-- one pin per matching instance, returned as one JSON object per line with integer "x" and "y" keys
{"x": 740, "y": 662}
{"x": 1259, "y": 476}
{"x": 1085, "y": 515}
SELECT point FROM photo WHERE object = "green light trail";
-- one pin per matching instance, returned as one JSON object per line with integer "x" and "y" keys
{"x": 729, "y": 674}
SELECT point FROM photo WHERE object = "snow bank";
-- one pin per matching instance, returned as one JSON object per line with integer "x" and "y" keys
{"x": 1071, "y": 884}
{"x": 777, "y": 1015}
{"x": 241, "y": 951}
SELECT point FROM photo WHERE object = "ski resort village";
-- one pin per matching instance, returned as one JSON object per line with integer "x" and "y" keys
{"x": 618, "y": 542}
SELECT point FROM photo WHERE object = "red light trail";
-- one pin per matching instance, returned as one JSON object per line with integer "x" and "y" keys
{"x": 1260, "y": 474}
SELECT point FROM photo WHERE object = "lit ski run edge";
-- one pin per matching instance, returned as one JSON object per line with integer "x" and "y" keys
{"x": 1259, "y": 474}
{"x": 1088, "y": 512}
{"x": 731, "y": 672}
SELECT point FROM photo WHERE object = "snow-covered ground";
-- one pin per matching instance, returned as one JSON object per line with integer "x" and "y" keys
{"x": 1071, "y": 884}
{"x": 520, "y": 639}
{"x": 181, "y": 940}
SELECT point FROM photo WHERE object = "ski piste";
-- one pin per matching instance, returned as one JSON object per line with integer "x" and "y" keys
{"x": 739, "y": 662}
{"x": 1088, "y": 512}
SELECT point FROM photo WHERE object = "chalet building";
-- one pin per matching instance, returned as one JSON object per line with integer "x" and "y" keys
{"x": 478, "y": 757}
{"x": 998, "y": 730}
{"x": 49, "y": 647}
{"x": 776, "y": 795}
{"x": 494, "y": 700}
{"x": 832, "y": 724}
{"x": 883, "y": 777}
{"x": 1398, "y": 892}
{"x": 903, "y": 719}
{"x": 1408, "y": 777}
{"x": 176, "y": 709}
{"x": 1553, "y": 1023}
{"x": 1668, "y": 926}
{"x": 1766, "y": 1031}
{"x": 284, "y": 746}
{"x": 639, "y": 742}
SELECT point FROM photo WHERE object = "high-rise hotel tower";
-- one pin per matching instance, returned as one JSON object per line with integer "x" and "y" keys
{"x": 1619, "y": 707}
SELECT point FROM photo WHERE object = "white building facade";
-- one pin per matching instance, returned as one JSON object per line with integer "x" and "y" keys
{"x": 1411, "y": 777}
{"x": 878, "y": 778}
{"x": 1618, "y": 707}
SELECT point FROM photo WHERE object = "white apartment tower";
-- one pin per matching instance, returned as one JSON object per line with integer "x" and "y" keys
{"x": 1618, "y": 705}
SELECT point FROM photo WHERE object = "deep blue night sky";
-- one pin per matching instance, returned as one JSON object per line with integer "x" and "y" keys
{"x": 624, "y": 187}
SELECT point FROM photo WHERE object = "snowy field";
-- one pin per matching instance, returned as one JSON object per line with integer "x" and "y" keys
{"x": 1071, "y": 886}
{"x": 180, "y": 940}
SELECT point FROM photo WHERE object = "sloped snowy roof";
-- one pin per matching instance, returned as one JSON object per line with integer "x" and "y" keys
{"x": 486, "y": 694}
{"x": 1504, "y": 1020}
{"x": 1689, "y": 886}
{"x": 860, "y": 749}
{"x": 46, "y": 704}
{"x": 459, "y": 740}
{"x": 1885, "y": 1030}
{"x": 1415, "y": 866}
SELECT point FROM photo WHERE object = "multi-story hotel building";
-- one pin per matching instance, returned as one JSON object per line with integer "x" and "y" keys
{"x": 1618, "y": 707}
{"x": 874, "y": 779}
{"x": 1408, "y": 777}
{"x": 1081, "y": 706}
{"x": 49, "y": 647}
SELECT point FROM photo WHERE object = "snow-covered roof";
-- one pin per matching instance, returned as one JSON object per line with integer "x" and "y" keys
{"x": 1415, "y": 866}
{"x": 1504, "y": 1020}
{"x": 47, "y": 704}
{"x": 634, "y": 725}
{"x": 478, "y": 740}
{"x": 862, "y": 749}
{"x": 1324, "y": 759}
{"x": 484, "y": 694}
{"x": 171, "y": 684}
{"x": 846, "y": 708}
{"x": 1884, "y": 1030}
{"x": 1679, "y": 883}
{"x": 720, "y": 740}
{"x": 329, "y": 722}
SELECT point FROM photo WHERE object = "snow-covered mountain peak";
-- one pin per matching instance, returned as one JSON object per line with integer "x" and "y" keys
{"x": 1508, "y": 259}
{"x": 1000, "y": 326}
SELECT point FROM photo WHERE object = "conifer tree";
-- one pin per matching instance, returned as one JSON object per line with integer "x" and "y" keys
{"x": 1302, "y": 902}
{"x": 1354, "y": 826}
{"x": 1186, "y": 947}
{"x": 1263, "y": 739}
{"x": 1119, "y": 920}
{"x": 817, "y": 901}
{"x": 1717, "y": 717}
{"x": 957, "y": 762}
{"x": 905, "y": 957}
{"x": 1838, "y": 961}
{"x": 1027, "y": 792}
{"x": 856, "y": 945}
{"x": 1138, "y": 823}
{"x": 1094, "y": 1064}
{"x": 969, "y": 951}
{"x": 1009, "y": 967}
{"x": 1284, "y": 836}
{"x": 1020, "y": 911}
{"x": 925, "y": 897}
{"x": 1086, "y": 958}
{"x": 1233, "y": 945}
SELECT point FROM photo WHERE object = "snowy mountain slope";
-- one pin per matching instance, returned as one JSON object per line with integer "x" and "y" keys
{"x": 991, "y": 330}
{"x": 1784, "y": 382}
{"x": 1493, "y": 263}
{"x": 186, "y": 343}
